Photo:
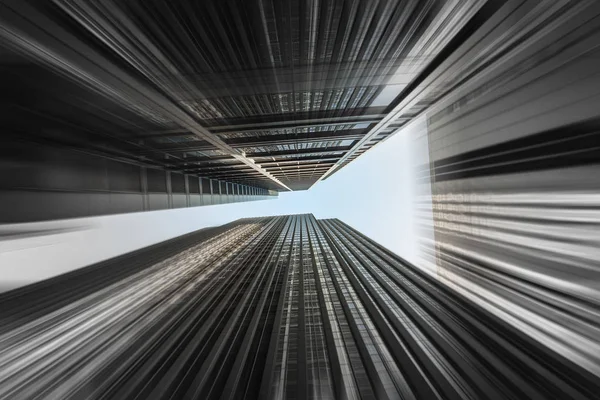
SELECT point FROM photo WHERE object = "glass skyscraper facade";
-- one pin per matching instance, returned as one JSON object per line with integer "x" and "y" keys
{"x": 286, "y": 307}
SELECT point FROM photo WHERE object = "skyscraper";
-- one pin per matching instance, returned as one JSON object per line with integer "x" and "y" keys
{"x": 279, "y": 307}
{"x": 124, "y": 106}
{"x": 510, "y": 174}
{"x": 116, "y": 106}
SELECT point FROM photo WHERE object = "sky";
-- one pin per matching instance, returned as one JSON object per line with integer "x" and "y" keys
{"x": 375, "y": 194}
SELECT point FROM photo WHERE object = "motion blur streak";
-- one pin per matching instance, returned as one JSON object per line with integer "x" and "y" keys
{"x": 139, "y": 105}
{"x": 268, "y": 308}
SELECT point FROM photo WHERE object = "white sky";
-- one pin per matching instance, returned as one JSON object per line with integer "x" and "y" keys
{"x": 374, "y": 194}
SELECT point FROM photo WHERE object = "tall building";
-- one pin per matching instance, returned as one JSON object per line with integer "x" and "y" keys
{"x": 123, "y": 106}
{"x": 511, "y": 174}
{"x": 268, "y": 308}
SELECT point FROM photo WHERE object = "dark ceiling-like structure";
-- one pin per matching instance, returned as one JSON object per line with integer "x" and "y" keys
{"x": 272, "y": 94}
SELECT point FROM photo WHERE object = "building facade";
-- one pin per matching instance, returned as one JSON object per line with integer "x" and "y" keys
{"x": 133, "y": 106}
{"x": 286, "y": 307}
{"x": 511, "y": 175}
